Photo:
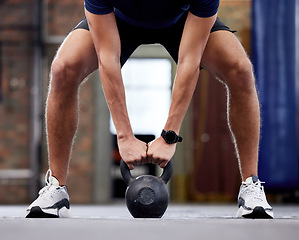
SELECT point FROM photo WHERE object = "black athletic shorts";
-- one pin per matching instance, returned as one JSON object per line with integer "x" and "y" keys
{"x": 132, "y": 37}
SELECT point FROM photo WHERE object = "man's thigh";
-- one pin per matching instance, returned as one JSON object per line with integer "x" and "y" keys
{"x": 77, "y": 52}
{"x": 223, "y": 52}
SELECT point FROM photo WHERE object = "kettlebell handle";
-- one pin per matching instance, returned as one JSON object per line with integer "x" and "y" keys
{"x": 127, "y": 176}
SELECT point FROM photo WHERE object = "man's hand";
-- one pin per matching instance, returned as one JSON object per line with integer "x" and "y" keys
{"x": 159, "y": 152}
{"x": 132, "y": 151}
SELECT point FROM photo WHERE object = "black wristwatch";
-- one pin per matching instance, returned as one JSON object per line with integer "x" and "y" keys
{"x": 171, "y": 137}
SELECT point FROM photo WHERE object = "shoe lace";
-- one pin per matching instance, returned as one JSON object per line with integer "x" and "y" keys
{"x": 255, "y": 188}
{"x": 48, "y": 181}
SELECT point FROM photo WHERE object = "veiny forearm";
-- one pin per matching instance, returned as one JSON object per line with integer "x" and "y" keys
{"x": 183, "y": 89}
{"x": 115, "y": 96}
{"x": 104, "y": 32}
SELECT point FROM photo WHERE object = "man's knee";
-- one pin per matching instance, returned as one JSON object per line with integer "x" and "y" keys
{"x": 240, "y": 76}
{"x": 64, "y": 76}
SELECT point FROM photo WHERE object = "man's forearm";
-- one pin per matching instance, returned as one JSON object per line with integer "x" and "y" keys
{"x": 183, "y": 89}
{"x": 132, "y": 150}
{"x": 104, "y": 32}
{"x": 115, "y": 96}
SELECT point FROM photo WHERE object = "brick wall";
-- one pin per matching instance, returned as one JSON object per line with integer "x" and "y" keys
{"x": 15, "y": 39}
{"x": 62, "y": 16}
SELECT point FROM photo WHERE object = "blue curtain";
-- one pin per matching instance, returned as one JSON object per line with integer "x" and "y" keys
{"x": 274, "y": 60}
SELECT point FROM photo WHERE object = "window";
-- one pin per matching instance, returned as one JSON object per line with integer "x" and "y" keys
{"x": 148, "y": 94}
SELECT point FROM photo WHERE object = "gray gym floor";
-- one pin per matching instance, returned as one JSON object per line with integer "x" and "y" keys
{"x": 104, "y": 222}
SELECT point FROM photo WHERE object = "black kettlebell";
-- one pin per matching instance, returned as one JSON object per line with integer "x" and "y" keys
{"x": 146, "y": 195}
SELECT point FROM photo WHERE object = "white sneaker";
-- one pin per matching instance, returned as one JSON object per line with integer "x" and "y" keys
{"x": 252, "y": 200}
{"x": 52, "y": 202}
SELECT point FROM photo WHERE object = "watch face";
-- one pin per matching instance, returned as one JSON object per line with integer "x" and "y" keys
{"x": 171, "y": 136}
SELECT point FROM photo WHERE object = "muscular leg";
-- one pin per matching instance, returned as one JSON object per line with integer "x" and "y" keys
{"x": 75, "y": 60}
{"x": 225, "y": 58}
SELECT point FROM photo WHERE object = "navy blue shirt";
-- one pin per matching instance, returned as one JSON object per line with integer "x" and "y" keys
{"x": 152, "y": 13}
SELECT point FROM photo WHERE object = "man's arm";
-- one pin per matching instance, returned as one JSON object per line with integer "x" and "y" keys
{"x": 104, "y": 32}
{"x": 194, "y": 39}
{"x": 195, "y": 36}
